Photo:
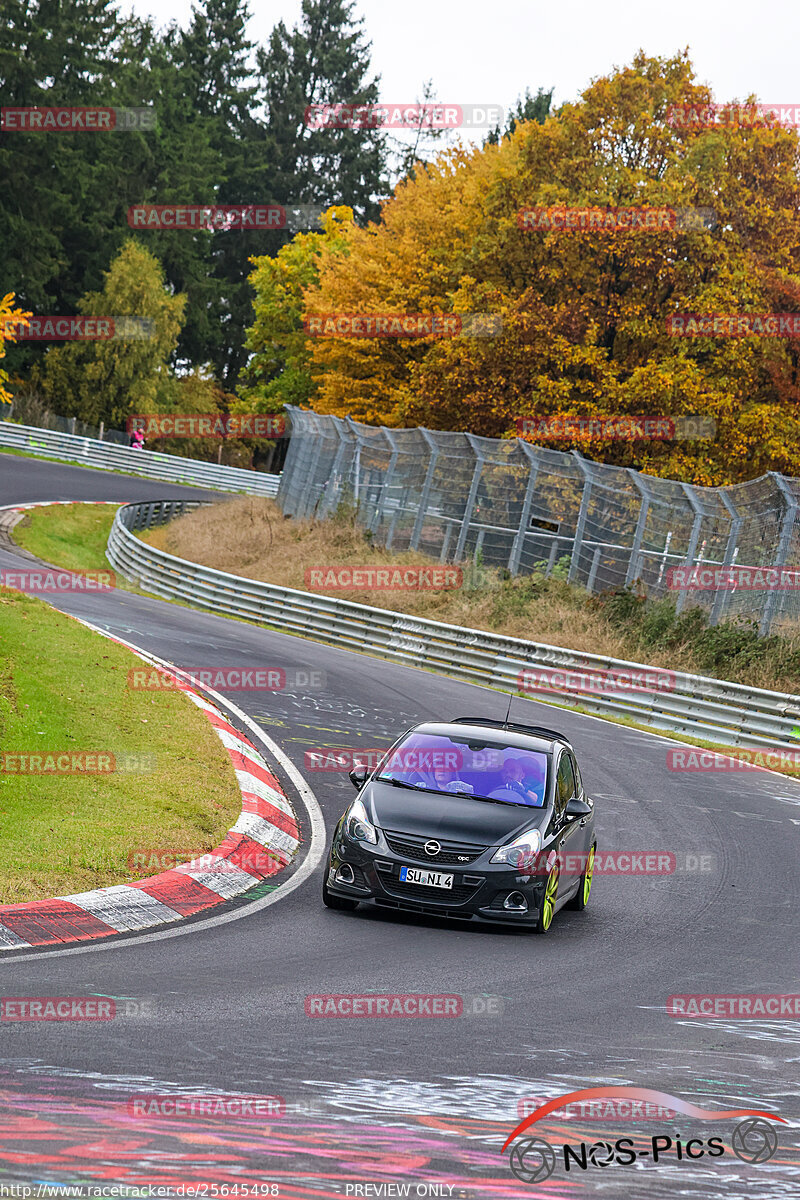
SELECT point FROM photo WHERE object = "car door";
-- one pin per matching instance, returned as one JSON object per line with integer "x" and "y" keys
{"x": 585, "y": 824}
{"x": 570, "y": 840}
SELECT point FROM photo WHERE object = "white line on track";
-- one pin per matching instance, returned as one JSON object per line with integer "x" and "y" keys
{"x": 312, "y": 859}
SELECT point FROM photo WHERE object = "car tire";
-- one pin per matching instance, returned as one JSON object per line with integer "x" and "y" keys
{"x": 581, "y": 898}
{"x": 337, "y": 902}
{"x": 546, "y": 912}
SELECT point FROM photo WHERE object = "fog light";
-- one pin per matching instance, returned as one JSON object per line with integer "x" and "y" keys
{"x": 345, "y": 874}
{"x": 515, "y": 902}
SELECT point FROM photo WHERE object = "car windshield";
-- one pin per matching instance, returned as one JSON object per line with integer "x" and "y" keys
{"x": 487, "y": 770}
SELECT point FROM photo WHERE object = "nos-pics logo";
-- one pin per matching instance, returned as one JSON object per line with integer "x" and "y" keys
{"x": 754, "y": 1139}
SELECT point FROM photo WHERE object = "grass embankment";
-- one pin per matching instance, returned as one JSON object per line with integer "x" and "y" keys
{"x": 73, "y": 536}
{"x": 65, "y": 689}
{"x": 250, "y": 537}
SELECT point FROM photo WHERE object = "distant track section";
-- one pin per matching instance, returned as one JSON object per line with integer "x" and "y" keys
{"x": 107, "y": 456}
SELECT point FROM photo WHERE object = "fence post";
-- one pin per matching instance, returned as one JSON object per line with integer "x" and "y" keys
{"x": 331, "y": 502}
{"x": 356, "y": 467}
{"x": 581, "y": 524}
{"x": 288, "y": 474}
{"x": 426, "y": 490}
{"x": 646, "y": 494}
{"x": 377, "y": 516}
{"x": 310, "y": 454}
{"x": 722, "y": 594}
{"x": 694, "y": 538}
{"x": 471, "y": 498}
{"x": 293, "y": 488}
{"x": 525, "y": 516}
{"x": 784, "y": 544}
{"x": 101, "y": 431}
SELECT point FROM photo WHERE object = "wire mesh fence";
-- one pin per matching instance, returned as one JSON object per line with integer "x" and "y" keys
{"x": 44, "y": 419}
{"x": 732, "y": 551}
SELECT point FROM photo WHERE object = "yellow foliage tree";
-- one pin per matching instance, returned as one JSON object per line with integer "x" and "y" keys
{"x": 9, "y": 316}
{"x": 584, "y": 314}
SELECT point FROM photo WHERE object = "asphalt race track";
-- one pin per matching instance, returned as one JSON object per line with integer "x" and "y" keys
{"x": 415, "y": 1101}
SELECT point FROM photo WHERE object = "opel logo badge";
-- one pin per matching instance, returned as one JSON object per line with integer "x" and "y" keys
{"x": 432, "y": 848}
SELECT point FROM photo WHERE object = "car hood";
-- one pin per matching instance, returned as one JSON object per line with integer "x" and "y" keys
{"x": 450, "y": 818}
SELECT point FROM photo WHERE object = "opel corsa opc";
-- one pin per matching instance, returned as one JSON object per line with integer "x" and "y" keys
{"x": 471, "y": 819}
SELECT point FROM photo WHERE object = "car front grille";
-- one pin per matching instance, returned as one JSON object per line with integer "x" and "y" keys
{"x": 411, "y": 845}
{"x": 457, "y": 894}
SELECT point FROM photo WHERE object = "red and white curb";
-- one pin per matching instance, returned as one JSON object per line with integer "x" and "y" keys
{"x": 263, "y": 841}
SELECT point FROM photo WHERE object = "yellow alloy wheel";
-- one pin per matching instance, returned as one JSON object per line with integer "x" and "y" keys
{"x": 587, "y": 878}
{"x": 549, "y": 902}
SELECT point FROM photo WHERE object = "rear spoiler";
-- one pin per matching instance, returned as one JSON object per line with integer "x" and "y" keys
{"x": 534, "y": 730}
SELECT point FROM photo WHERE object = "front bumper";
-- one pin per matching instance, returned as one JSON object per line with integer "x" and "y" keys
{"x": 478, "y": 892}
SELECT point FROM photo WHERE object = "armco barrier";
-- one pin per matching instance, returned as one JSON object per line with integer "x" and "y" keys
{"x": 90, "y": 452}
{"x": 728, "y": 714}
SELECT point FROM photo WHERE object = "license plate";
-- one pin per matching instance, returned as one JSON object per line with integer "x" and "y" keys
{"x": 426, "y": 878}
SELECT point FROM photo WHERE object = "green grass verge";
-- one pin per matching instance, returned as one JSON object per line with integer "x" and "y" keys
{"x": 73, "y": 536}
{"x": 65, "y": 689}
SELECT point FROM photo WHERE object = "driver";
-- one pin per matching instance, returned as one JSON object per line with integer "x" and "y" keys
{"x": 530, "y": 791}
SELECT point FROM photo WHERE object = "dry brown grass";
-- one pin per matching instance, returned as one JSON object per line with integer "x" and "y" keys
{"x": 250, "y": 536}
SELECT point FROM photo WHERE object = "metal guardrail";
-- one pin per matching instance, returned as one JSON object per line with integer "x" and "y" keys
{"x": 729, "y": 714}
{"x": 90, "y": 452}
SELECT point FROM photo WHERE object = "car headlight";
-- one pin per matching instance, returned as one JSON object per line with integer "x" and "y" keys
{"x": 520, "y": 853}
{"x": 357, "y": 826}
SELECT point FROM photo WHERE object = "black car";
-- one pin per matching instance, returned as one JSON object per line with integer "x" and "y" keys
{"x": 472, "y": 819}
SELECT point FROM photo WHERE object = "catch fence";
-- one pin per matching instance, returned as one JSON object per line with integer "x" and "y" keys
{"x": 509, "y": 504}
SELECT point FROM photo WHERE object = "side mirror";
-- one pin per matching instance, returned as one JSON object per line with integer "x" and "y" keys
{"x": 358, "y": 776}
{"x": 577, "y": 808}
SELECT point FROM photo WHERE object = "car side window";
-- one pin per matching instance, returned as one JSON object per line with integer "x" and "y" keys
{"x": 565, "y": 783}
{"x": 578, "y": 780}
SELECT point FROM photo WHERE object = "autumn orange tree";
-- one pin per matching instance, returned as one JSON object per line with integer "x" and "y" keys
{"x": 9, "y": 317}
{"x": 584, "y": 313}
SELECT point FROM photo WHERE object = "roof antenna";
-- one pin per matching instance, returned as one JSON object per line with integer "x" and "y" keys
{"x": 508, "y": 710}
